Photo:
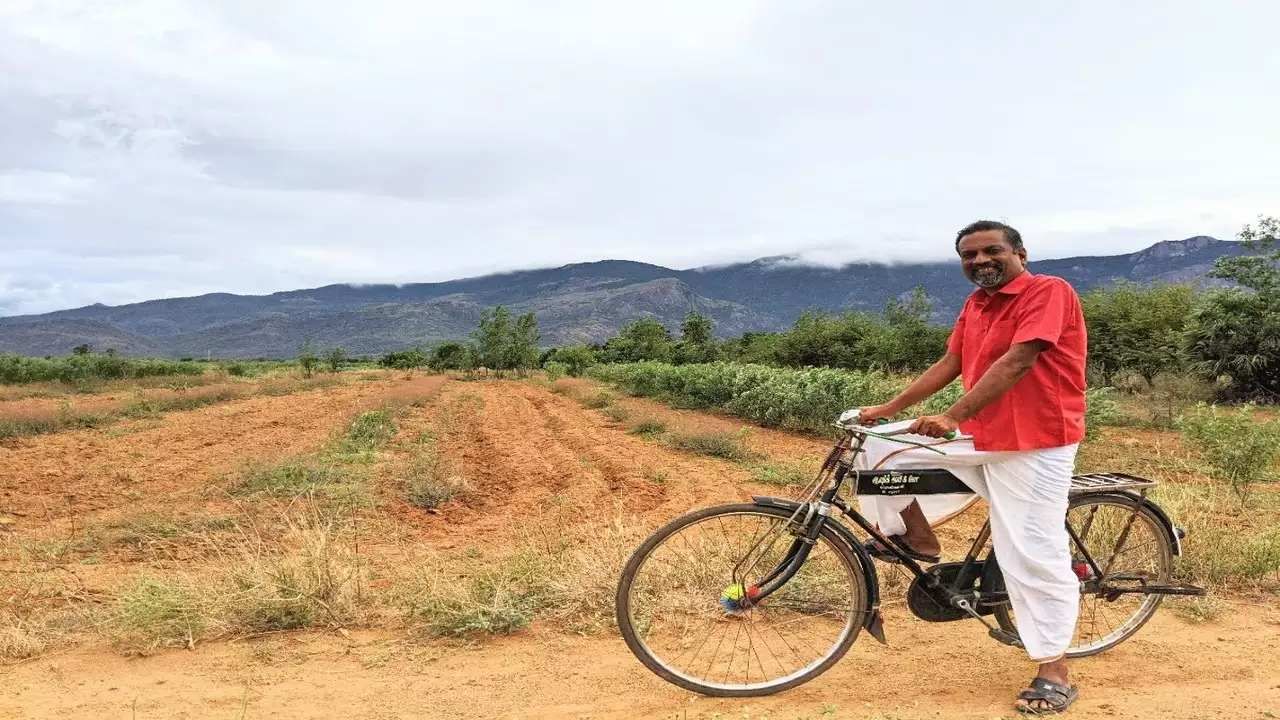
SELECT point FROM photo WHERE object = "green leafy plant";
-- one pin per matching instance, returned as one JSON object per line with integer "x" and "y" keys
{"x": 1239, "y": 445}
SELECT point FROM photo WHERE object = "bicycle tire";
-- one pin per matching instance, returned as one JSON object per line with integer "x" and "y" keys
{"x": 858, "y": 606}
{"x": 1159, "y": 535}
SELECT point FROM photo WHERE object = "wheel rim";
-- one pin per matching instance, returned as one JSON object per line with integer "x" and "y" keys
{"x": 1144, "y": 557}
{"x": 674, "y": 604}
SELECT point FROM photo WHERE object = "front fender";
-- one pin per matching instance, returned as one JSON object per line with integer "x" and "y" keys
{"x": 873, "y": 623}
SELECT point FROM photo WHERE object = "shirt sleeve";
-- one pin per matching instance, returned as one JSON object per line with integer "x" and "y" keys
{"x": 955, "y": 343}
{"x": 1044, "y": 312}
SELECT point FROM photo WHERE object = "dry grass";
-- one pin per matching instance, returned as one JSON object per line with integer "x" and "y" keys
{"x": 723, "y": 445}
{"x": 564, "y": 579}
{"x": 648, "y": 427}
{"x": 308, "y": 577}
{"x": 598, "y": 401}
{"x": 782, "y": 474}
{"x": 616, "y": 413}
{"x": 430, "y": 480}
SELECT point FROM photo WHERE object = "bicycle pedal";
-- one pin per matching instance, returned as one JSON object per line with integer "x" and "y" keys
{"x": 1004, "y": 637}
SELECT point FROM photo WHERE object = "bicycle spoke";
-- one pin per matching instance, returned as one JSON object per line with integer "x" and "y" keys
{"x": 676, "y": 594}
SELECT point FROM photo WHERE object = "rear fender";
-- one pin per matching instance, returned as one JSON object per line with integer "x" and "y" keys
{"x": 873, "y": 623}
{"x": 1175, "y": 533}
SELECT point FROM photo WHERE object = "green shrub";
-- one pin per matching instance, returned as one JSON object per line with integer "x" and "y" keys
{"x": 155, "y": 613}
{"x": 1137, "y": 328}
{"x": 368, "y": 431}
{"x": 1240, "y": 446}
{"x": 575, "y": 358}
{"x": 555, "y": 370}
{"x": 1100, "y": 409}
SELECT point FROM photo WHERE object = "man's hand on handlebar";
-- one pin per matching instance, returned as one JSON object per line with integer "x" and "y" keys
{"x": 935, "y": 426}
{"x": 876, "y": 412}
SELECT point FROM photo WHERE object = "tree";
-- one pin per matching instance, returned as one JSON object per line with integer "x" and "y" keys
{"x": 817, "y": 339}
{"x": 753, "y": 347}
{"x": 1236, "y": 332}
{"x": 307, "y": 359}
{"x": 492, "y": 336}
{"x": 335, "y": 359}
{"x": 404, "y": 359}
{"x": 522, "y": 346}
{"x": 643, "y": 339}
{"x": 908, "y": 341}
{"x": 83, "y": 349}
{"x": 697, "y": 344}
{"x": 1137, "y": 328}
{"x": 451, "y": 356}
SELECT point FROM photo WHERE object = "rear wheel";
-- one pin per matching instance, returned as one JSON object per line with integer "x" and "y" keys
{"x": 680, "y": 608}
{"x": 1141, "y": 555}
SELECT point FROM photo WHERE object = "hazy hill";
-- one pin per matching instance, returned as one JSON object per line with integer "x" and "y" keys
{"x": 582, "y": 302}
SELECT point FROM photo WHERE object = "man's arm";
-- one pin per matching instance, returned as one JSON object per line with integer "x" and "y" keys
{"x": 938, "y": 376}
{"x": 1002, "y": 375}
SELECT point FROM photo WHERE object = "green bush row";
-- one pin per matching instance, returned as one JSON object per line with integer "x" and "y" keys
{"x": 808, "y": 400}
{"x": 89, "y": 366}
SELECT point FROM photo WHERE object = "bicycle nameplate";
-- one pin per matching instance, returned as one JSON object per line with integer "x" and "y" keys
{"x": 910, "y": 482}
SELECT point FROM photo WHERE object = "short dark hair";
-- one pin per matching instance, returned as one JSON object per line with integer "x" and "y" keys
{"x": 1013, "y": 237}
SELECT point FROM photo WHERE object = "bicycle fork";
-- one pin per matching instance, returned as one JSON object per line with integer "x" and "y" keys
{"x": 802, "y": 544}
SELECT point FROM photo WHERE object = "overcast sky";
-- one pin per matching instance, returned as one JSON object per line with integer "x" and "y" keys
{"x": 172, "y": 147}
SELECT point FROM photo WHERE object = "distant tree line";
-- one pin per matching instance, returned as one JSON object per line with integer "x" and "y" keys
{"x": 1230, "y": 336}
{"x": 500, "y": 343}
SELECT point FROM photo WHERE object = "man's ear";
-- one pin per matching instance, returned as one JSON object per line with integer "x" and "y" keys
{"x": 1022, "y": 253}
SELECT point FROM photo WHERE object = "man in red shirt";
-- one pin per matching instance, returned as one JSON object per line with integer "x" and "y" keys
{"x": 1019, "y": 347}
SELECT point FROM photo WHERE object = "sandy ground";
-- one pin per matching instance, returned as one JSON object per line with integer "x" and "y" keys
{"x": 1170, "y": 670}
{"x": 526, "y": 451}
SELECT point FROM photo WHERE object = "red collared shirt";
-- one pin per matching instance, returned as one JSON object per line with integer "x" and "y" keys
{"x": 1046, "y": 407}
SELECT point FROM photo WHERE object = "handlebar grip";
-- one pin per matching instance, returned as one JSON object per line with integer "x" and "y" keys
{"x": 951, "y": 435}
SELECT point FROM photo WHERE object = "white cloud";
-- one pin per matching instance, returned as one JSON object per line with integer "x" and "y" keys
{"x": 169, "y": 147}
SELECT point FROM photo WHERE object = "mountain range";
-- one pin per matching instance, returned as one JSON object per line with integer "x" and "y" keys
{"x": 583, "y": 302}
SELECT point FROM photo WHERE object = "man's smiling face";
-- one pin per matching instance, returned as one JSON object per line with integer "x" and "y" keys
{"x": 988, "y": 260}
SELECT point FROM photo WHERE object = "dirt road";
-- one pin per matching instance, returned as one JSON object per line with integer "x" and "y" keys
{"x": 1171, "y": 670}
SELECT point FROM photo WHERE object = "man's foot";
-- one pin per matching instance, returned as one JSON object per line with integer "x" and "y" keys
{"x": 876, "y": 550}
{"x": 1045, "y": 697}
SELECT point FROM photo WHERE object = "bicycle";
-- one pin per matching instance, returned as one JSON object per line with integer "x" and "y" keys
{"x": 797, "y": 582}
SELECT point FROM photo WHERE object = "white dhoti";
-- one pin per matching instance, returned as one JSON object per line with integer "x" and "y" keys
{"x": 1027, "y": 493}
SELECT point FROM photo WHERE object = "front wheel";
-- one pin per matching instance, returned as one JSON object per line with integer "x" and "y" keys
{"x": 684, "y": 603}
{"x": 1131, "y": 550}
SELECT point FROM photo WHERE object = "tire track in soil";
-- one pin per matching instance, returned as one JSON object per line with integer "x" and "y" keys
{"x": 77, "y": 475}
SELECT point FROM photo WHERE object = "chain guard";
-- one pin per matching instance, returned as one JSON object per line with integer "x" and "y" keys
{"x": 933, "y": 604}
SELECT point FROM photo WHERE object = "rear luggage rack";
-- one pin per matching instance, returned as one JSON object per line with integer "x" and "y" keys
{"x": 1108, "y": 482}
